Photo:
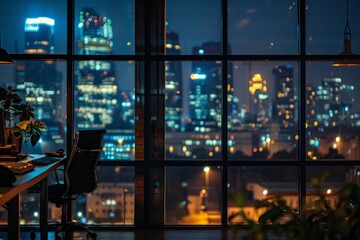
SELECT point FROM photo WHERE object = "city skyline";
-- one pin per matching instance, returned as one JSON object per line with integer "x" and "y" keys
{"x": 263, "y": 101}
{"x": 245, "y": 16}
{"x": 181, "y": 113}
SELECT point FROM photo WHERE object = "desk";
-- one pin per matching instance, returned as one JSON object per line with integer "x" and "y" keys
{"x": 10, "y": 196}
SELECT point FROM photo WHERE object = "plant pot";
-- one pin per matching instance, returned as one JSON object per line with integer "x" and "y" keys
{"x": 11, "y": 139}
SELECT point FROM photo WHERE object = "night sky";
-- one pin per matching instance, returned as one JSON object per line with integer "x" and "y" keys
{"x": 255, "y": 27}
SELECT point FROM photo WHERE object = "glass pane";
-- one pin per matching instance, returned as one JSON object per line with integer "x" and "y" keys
{"x": 104, "y": 27}
{"x": 336, "y": 178}
{"x": 332, "y": 119}
{"x": 193, "y": 195}
{"x": 104, "y": 99}
{"x": 193, "y": 110}
{"x": 112, "y": 202}
{"x": 325, "y": 26}
{"x": 42, "y": 85}
{"x": 263, "y": 105}
{"x": 37, "y": 26}
{"x": 262, "y": 27}
{"x": 190, "y": 24}
{"x": 248, "y": 184}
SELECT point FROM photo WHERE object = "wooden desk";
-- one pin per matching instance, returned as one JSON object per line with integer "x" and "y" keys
{"x": 10, "y": 197}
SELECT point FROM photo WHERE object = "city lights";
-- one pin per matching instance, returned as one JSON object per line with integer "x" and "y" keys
{"x": 213, "y": 106}
{"x": 265, "y": 192}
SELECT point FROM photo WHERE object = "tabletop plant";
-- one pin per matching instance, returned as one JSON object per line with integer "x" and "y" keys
{"x": 20, "y": 117}
{"x": 318, "y": 221}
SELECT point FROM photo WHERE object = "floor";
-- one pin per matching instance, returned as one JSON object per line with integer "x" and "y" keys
{"x": 203, "y": 234}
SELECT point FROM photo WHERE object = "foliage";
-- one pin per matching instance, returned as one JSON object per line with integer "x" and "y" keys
{"x": 27, "y": 128}
{"x": 318, "y": 221}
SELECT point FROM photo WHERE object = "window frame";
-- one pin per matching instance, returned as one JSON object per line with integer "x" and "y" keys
{"x": 147, "y": 164}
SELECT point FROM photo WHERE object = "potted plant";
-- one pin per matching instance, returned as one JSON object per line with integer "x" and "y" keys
{"x": 319, "y": 221}
{"x": 19, "y": 118}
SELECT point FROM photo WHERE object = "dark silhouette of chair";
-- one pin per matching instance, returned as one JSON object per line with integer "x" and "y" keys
{"x": 80, "y": 177}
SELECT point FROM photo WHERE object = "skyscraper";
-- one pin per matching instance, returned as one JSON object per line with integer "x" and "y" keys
{"x": 205, "y": 96}
{"x": 334, "y": 101}
{"x": 259, "y": 99}
{"x": 41, "y": 82}
{"x": 284, "y": 104}
{"x": 96, "y": 88}
{"x": 39, "y": 35}
{"x": 173, "y": 84}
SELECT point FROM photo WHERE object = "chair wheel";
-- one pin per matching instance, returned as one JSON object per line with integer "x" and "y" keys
{"x": 32, "y": 235}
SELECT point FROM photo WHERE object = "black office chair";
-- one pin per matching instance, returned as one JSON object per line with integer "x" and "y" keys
{"x": 80, "y": 176}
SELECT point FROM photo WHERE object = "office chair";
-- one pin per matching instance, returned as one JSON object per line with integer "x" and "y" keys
{"x": 80, "y": 177}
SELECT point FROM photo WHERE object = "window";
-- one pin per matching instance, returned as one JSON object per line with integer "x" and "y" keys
{"x": 201, "y": 100}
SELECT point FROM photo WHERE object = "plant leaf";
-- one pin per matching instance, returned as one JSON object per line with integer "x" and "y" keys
{"x": 34, "y": 139}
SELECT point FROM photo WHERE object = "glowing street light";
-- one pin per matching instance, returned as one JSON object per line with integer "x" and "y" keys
{"x": 207, "y": 173}
{"x": 265, "y": 192}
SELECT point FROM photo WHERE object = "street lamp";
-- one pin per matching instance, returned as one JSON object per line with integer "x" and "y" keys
{"x": 207, "y": 173}
{"x": 124, "y": 201}
{"x": 203, "y": 200}
{"x": 206, "y": 191}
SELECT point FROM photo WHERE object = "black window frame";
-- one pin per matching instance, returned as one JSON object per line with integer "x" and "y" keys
{"x": 147, "y": 58}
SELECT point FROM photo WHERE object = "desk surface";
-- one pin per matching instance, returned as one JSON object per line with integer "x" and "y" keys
{"x": 26, "y": 180}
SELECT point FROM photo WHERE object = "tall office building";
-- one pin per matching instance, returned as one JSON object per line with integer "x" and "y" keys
{"x": 311, "y": 107}
{"x": 334, "y": 102}
{"x": 41, "y": 82}
{"x": 39, "y": 35}
{"x": 205, "y": 95}
{"x": 284, "y": 105}
{"x": 259, "y": 99}
{"x": 96, "y": 87}
{"x": 100, "y": 102}
{"x": 173, "y": 84}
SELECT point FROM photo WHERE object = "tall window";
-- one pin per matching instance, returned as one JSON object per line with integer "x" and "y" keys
{"x": 201, "y": 100}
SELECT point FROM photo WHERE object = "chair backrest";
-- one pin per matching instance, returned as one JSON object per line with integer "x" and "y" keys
{"x": 80, "y": 168}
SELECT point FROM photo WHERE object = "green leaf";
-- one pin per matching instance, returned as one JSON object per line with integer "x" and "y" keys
{"x": 34, "y": 139}
{"x": 16, "y": 99}
{"x": 271, "y": 215}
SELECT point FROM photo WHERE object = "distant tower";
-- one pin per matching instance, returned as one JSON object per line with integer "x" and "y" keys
{"x": 40, "y": 79}
{"x": 284, "y": 104}
{"x": 205, "y": 91}
{"x": 259, "y": 99}
{"x": 334, "y": 101}
{"x": 173, "y": 87}
{"x": 41, "y": 82}
{"x": 96, "y": 89}
{"x": 311, "y": 107}
{"x": 39, "y": 35}
{"x": 205, "y": 97}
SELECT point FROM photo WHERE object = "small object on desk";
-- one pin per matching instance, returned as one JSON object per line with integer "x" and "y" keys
{"x": 45, "y": 160}
{"x": 18, "y": 167}
{"x": 10, "y": 158}
{"x": 58, "y": 153}
{"x": 8, "y": 150}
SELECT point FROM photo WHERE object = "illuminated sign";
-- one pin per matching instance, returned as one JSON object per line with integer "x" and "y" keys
{"x": 32, "y": 24}
{"x": 197, "y": 76}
